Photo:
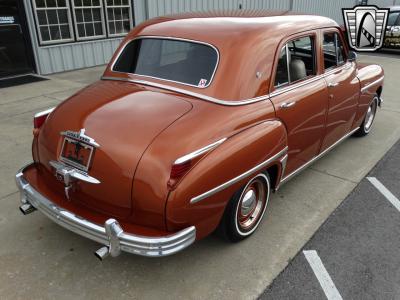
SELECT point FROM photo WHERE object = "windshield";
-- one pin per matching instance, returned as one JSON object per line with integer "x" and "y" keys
{"x": 182, "y": 61}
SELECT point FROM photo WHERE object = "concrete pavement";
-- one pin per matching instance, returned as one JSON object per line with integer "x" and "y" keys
{"x": 358, "y": 245}
{"x": 41, "y": 260}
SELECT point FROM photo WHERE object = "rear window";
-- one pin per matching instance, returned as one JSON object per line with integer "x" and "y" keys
{"x": 181, "y": 61}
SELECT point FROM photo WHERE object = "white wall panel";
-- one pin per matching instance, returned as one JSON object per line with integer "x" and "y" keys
{"x": 328, "y": 8}
{"x": 64, "y": 57}
{"x": 381, "y": 3}
{"x": 67, "y": 57}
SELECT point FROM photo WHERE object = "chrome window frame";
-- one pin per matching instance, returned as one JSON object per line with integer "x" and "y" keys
{"x": 175, "y": 39}
{"x": 67, "y": 7}
{"x": 93, "y": 37}
{"x": 106, "y": 7}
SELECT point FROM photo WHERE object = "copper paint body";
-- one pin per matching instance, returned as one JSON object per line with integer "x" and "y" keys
{"x": 142, "y": 129}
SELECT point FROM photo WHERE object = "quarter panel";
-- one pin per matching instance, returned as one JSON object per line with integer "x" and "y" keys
{"x": 235, "y": 156}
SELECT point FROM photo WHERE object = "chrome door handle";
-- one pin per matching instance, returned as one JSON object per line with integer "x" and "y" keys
{"x": 332, "y": 84}
{"x": 287, "y": 104}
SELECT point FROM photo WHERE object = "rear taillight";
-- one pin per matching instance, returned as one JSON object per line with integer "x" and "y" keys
{"x": 40, "y": 118}
{"x": 182, "y": 165}
{"x": 178, "y": 170}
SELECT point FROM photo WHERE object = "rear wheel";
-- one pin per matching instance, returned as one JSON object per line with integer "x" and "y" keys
{"x": 246, "y": 209}
{"x": 366, "y": 125}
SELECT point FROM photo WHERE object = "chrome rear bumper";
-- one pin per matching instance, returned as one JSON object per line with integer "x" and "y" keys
{"x": 111, "y": 234}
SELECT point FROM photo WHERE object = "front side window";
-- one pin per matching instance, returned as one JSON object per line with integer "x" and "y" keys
{"x": 53, "y": 20}
{"x": 334, "y": 53}
{"x": 296, "y": 61}
{"x": 180, "y": 61}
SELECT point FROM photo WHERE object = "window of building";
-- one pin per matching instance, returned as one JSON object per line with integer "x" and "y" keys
{"x": 296, "y": 61}
{"x": 89, "y": 19}
{"x": 119, "y": 16}
{"x": 333, "y": 48}
{"x": 63, "y": 21}
{"x": 53, "y": 20}
{"x": 180, "y": 61}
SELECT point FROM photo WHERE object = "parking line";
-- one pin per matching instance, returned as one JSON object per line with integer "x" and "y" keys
{"x": 385, "y": 192}
{"x": 322, "y": 275}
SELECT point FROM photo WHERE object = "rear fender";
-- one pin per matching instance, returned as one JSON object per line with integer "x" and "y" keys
{"x": 198, "y": 200}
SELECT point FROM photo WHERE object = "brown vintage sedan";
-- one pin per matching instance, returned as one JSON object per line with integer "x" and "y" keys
{"x": 196, "y": 120}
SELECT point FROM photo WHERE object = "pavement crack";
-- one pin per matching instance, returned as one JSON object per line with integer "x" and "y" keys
{"x": 8, "y": 195}
{"x": 336, "y": 176}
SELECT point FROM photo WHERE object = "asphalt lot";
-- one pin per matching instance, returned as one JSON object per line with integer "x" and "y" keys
{"x": 41, "y": 260}
{"x": 358, "y": 244}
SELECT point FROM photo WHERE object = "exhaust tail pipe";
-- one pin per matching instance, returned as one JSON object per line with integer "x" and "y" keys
{"x": 26, "y": 208}
{"x": 102, "y": 253}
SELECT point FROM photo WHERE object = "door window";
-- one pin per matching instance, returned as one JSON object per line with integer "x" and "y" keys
{"x": 333, "y": 48}
{"x": 296, "y": 61}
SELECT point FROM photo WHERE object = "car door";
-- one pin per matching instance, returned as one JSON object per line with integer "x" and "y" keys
{"x": 343, "y": 88}
{"x": 300, "y": 98}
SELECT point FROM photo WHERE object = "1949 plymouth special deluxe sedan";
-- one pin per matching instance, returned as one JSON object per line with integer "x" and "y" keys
{"x": 195, "y": 121}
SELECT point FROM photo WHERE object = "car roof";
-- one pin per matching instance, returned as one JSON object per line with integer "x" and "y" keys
{"x": 246, "y": 40}
{"x": 239, "y": 22}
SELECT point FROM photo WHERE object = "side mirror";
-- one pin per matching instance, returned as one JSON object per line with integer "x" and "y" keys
{"x": 352, "y": 56}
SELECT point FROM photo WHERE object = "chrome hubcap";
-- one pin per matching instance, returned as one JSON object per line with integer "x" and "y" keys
{"x": 248, "y": 203}
{"x": 369, "y": 117}
{"x": 252, "y": 204}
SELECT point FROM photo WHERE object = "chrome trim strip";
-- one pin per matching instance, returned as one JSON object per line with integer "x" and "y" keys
{"x": 135, "y": 244}
{"x": 365, "y": 88}
{"x": 169, "y": 38}
{"x": 189, "y": 93}
{"x": 238, "y": 178}
{"x": 294, "y": 173}
{"x": 43, "y": 113}
{"x": 198, "y": 152}
{"x": 277, "y": 92}
{"x": 295, "y": 85}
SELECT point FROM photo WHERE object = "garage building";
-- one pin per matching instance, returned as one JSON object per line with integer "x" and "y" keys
{"x": 50, "y": 36}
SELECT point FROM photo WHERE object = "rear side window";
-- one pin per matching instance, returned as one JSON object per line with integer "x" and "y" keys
{"x": 296, "y": 61}
{"x": 180, "y": 61}
{"x": 282, "y": 74}
{"x": 334, "y": 54}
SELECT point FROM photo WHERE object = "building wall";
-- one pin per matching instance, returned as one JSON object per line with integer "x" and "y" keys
{"x": 64, "y": 57}
{"x": 72, "y": 56}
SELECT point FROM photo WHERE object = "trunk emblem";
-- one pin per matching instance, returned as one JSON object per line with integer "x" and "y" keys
{"x": 80, "y": 136}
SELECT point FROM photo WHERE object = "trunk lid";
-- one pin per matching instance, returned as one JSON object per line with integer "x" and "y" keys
{"x": 123, "y": 119}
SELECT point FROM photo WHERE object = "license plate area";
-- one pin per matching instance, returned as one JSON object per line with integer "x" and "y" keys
{"x": 76, "y": 154}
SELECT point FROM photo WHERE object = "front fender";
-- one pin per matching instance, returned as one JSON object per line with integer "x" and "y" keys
{"x": 240, "y": 157}
{"x": 371, "y": 82}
